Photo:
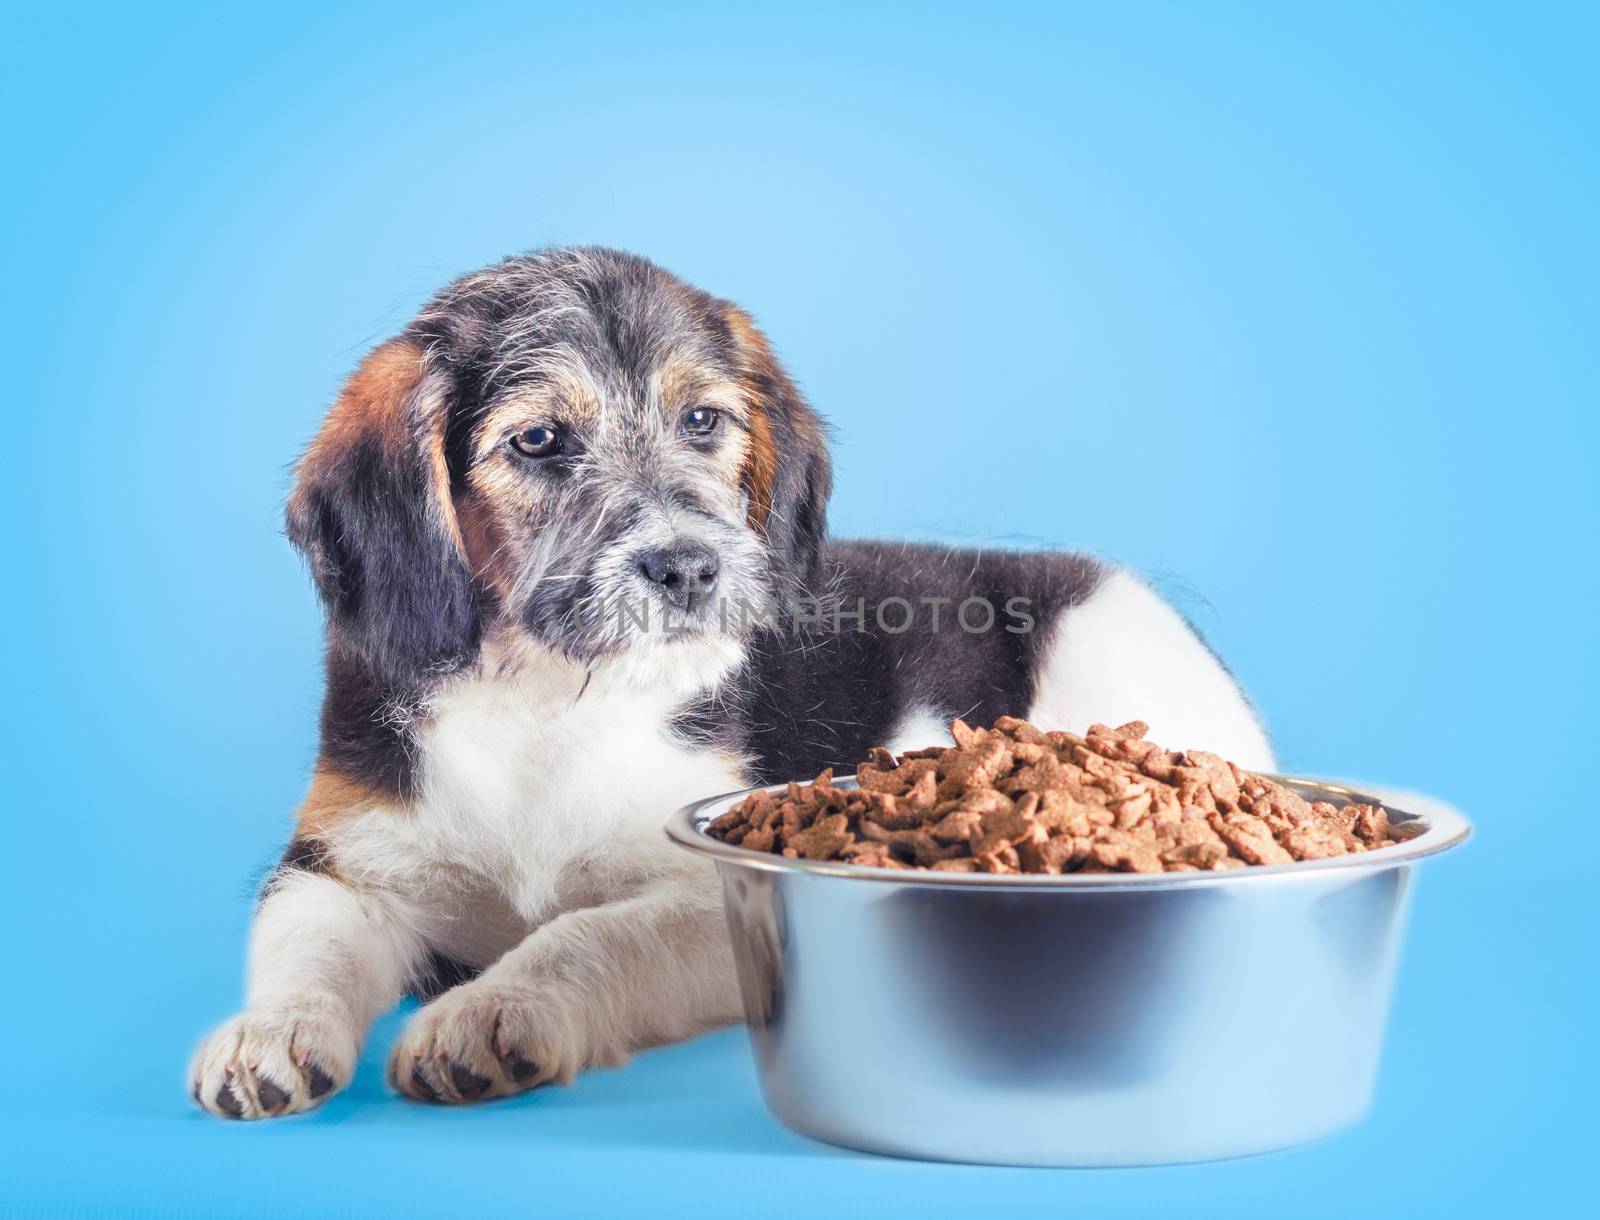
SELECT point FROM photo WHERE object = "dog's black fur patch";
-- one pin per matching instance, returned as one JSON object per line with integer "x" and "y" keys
{"x": 811, "y": 696}
{"x": 303, "y": 855}
{"x": 365, "y": 723}
{"x": 440, "y": 973}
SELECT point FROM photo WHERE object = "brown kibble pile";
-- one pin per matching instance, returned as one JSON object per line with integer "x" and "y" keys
{"x": 1015, "y": 799}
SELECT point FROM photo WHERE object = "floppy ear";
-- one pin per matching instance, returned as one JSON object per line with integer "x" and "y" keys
{"x": 787, "y": 474}
{"x": 373, "y": 515}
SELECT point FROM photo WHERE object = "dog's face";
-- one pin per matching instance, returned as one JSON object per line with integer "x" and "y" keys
{"x": 606, "y": 472}
{"x": 572, "y": 447}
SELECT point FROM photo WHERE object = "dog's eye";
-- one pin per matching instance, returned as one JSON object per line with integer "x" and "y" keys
{"x": 539, "y": 442}
{"x": 701, "y": 421}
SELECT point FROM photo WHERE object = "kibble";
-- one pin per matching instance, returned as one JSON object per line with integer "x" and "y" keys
{"x": 1015, "y": 799}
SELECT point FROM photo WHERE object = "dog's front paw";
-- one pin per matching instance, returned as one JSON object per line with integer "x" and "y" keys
{"x": 262, "y": 1064}
{"x": 487, "y": 1039}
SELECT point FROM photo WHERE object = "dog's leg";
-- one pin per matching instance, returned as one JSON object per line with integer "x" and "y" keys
{"x": 325, "y": 959}
{"x": 584, "y": 990}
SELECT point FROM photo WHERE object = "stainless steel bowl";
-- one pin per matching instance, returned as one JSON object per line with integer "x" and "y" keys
{"x": 1126, "y": 1019}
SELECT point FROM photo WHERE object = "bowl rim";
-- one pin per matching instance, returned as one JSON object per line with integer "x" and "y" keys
{"x": 1443, "y": 827}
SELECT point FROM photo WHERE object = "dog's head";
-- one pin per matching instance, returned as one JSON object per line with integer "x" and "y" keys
{"x": 573, "y": 447}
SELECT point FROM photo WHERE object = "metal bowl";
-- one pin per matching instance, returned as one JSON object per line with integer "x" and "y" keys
{"x": 1101, "y": 1019}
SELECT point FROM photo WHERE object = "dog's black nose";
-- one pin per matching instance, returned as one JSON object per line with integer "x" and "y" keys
{"x": 681, "y": 572}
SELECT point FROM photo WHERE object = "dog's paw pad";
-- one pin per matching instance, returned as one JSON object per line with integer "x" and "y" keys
{"x": 227, "y": 1102}
{"x": 269, "y": 1094}
{"x": 468, "y": 1083}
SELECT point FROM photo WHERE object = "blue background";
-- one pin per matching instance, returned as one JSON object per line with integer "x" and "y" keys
{"x": 1294, "y": 310}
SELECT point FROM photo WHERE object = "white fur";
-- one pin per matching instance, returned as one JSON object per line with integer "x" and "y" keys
{"x": 918, "y": 727}
{"x": 1125, "y": 654}
{"x": 541, "y": 767}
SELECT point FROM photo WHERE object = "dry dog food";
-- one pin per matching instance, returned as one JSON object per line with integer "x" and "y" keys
{"x": 1015, "y": 799}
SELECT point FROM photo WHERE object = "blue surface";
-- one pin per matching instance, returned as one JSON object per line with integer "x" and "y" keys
{"x": 1295, "y": 310}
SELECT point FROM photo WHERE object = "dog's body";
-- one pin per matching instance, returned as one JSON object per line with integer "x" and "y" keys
{"x": 498, "y": 755}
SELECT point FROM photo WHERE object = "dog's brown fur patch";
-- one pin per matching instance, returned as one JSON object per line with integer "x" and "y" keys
{"x": 333, "y": 796}
{"x": 762, "y": 371}
{"x": 372, "y": 401}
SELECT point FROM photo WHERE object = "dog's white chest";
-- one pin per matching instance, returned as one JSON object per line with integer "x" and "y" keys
{"x": 528, "y": 783}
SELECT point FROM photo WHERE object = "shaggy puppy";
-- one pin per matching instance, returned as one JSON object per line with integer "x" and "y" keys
{"x": 569, "y": 529}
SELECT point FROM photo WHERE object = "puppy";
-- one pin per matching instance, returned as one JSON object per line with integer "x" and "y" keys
{"x": 569, "y": 530}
